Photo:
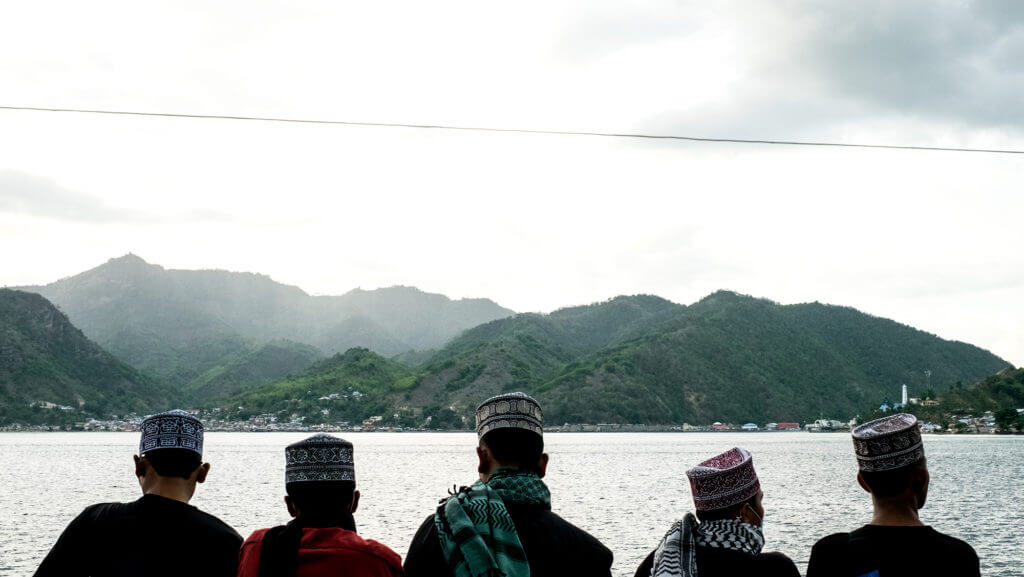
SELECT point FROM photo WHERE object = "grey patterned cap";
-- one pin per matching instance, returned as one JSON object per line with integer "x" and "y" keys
{"x": 511, "y": 410}
{"x": 171, "y": 430}
{"x": 321, "y": 457}
{"x": 888, "y": 443}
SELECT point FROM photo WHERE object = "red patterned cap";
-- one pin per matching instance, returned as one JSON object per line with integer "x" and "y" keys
{"x": 724, "y": 480}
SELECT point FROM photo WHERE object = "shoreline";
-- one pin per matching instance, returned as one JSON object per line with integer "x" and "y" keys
{"x": 458, "y": 431}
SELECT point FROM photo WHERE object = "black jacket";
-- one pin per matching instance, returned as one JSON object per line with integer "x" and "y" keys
{"x": 553, "y": 546}
{"x": 712, "y": 562}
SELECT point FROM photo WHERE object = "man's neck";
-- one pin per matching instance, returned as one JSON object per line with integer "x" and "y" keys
{"x": 895, "y": 514}
{"x": 170, "y": 489}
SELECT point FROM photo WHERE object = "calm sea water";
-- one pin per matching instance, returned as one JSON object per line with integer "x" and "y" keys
{"x": 624, "y": 488}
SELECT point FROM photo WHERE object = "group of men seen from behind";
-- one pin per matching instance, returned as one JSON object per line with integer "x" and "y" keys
{"x": 501, "y": 525}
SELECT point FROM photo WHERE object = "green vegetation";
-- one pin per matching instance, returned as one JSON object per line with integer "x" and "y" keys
{"x": 735, "y": 358}
{"x": 642, "y": 359}
{"x": 631, "y": 359}
{"x": 1001, "y": 393}
{"x": 348, "y": 387}
{"x": 46, "y": 363}
{"x": 274, "y": 361}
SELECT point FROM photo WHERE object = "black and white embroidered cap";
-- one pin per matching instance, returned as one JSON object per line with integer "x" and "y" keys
{"x": 511, "y": 410}
{"x": 888, "y": 443}
{"x": 171, "y": 430}
{"x": 321, "y": 457}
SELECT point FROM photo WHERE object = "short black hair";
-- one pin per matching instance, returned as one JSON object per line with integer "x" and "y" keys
{"x": 321, "y": 498}
{"x": 174, "y": 462}
{"x": 511, "y": 445}
{"x": 893, "y": 482}
{"x": 730, "y": 512}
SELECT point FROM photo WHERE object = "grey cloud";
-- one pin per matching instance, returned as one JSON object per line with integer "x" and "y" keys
{"x": 25, "y": 194}
{"x": 814, "y": 67}
{"x": 943, "y": 60}
{"x": 29, "y": 195}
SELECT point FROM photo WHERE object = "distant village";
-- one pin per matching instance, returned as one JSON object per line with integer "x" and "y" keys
{"x": 271, "y": 422}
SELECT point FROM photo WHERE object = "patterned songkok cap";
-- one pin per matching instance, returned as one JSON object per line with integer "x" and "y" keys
{"x": 724, "y": 480}
{"x": 321, "y": 457}
{"x": 171, "y": 430}
{"x": 888, "y": 443}
{"x": 511, "y": 410}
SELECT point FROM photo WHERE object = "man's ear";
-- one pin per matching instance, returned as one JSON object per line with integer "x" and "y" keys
{"x": 140, "y": 466}
{"x": 484, "y": 457}
{"x": 292, "y": 509}
{"x": 202, "y": 472}
{"x": 921, "y": 486}
{"x": 863, "y": 485}
{"x": 355, "y": 501}
{"x": 542, "y": 465}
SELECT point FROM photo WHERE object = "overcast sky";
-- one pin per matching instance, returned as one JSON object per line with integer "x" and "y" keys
{"x": 931, "y": 239}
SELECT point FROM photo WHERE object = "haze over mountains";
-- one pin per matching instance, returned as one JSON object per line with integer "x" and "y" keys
{"x": 178, "y": 324}
{"x": 230, "y": 340}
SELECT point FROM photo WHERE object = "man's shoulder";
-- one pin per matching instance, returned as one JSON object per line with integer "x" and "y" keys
{"x": 565, "y": 528}
{"x": 101, "y": 510}
{"x": 215, "y": 526}
{"x": 951, "y": 541}
{"x": 776, "y": 563}
{"x": 106, "y": 513}
{"x": 773, "y": 563}
{"x": 832, "y": 541}
{"x": 378, "y": 549}
{"x": 256, "y": 537}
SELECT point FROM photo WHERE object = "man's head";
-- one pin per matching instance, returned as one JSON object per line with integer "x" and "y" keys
{"x": 750, "y": 511}
{"x": 510, "y": 432}
{"x": 890, "y": 456}
{"x": 320, "y": 477}
{"x": 170, "y": 459}
{"x": 321, "y": 499}
{"x": 726, "y": 487}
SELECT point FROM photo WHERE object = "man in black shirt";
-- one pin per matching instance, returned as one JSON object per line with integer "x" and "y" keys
{"x": 159, "y": 534}
{"x": 504, "y": 523}
{"x": 893, "y": 469}
{"x": 728, "y": 538}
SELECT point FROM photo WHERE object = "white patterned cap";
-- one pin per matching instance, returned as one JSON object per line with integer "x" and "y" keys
{"x": 321, "y": 457}
{"x": 171, "y": 430}
{"x": 509, "y": 411}
{"x": 888, "y": 443}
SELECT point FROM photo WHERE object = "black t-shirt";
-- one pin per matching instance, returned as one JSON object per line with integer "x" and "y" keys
{"x": 553, "y": 546}
{"x": 153, "y": 536}
{"x": 712, "y": 562}
{"x": 878, "y": 551}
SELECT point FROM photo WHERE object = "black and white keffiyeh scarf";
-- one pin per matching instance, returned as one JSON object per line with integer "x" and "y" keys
{"x": 676, "y": 554}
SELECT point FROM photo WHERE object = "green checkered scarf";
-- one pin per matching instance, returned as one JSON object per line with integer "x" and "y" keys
{"x": 476, "y": 532}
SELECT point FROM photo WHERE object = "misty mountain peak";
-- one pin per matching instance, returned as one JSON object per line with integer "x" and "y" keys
{"x": 130, "y": 261}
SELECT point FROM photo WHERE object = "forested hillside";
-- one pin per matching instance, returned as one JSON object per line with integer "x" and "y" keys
{"x": 735, "y": 358}
{"x": 643, "y": 359}
{"x": 46, "y": 363}
{"x": 349, "y": 386}
{"x": 273, "y": 362}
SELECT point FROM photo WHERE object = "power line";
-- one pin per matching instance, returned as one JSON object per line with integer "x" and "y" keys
{"x": 512, "y": 130}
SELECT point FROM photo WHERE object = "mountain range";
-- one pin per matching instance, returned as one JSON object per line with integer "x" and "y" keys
{"x": 177, "y": 325}
{"x": 223, "y": 339}
{"x": 643, "y": 359}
